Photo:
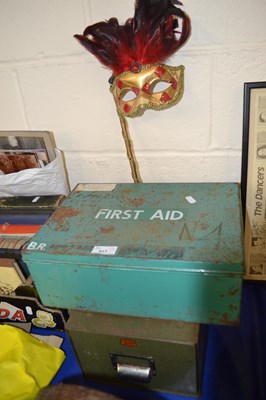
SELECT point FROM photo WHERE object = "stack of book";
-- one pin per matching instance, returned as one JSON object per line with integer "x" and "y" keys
{"x": 21, "y": 217}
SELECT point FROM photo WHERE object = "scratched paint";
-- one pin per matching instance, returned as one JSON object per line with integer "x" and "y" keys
{"x": 160, "y": 256}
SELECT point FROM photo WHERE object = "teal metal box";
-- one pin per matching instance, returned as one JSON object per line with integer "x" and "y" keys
{"x": 152, "y": 354}
{"x": 157, "y": 250}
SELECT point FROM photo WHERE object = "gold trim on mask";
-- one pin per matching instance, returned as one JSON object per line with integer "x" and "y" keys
{"x": 135, "y": 92}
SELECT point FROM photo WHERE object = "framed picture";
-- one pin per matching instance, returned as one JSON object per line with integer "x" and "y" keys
{"x": 253, "y": 179}
{"x": 25, "y": 149}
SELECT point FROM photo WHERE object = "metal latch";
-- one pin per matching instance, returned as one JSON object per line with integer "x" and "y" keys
{"x": 135, "y": 368}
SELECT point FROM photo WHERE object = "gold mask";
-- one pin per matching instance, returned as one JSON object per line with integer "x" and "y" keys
{"x": 155, "y": 87}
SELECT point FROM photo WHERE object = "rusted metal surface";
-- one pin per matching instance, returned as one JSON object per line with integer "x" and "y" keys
{"x": 62, "y": 216}
{"x": 172, "y": 251}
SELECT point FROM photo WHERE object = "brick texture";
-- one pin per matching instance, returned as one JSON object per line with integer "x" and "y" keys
{"x": 48, "y": 82}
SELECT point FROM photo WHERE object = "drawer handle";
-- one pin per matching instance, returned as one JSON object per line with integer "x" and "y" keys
{"x": 132, "y": 371}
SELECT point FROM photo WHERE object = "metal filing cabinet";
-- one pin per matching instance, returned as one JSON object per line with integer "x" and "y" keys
{"x": 146, "y": 353}
{"x": 169, "y": 251}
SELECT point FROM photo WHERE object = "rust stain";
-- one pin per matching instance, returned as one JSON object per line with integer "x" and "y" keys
{"x": 233, "y": 292}
{"x": 107, "y": 229}
{"x": 64, "y": 212}
{"x": 225, "y": 317}
{"x": 203, "y": 226}
{"x": 60, "y": 217}
{"x": 137, "y": 201}
{"x": 203, "y": 215}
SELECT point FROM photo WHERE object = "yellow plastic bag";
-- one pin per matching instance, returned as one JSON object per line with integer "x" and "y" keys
{"x": 26, "y": 364}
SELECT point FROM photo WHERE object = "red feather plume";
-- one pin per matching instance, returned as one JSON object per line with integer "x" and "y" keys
{"x": 150, "y": 37}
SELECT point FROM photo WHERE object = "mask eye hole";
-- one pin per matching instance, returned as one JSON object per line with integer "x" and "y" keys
{"x": 128, "y": 95}
{"x": 160, "y": 86}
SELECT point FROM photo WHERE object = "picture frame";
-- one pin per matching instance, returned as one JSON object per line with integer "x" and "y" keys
{"x": 20, "y": 150}
{"x": 253, "y": 179}
{"x": 30, "y": 141}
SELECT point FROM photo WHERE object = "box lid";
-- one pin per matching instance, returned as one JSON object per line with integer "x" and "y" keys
{"x": 180, "y": 226}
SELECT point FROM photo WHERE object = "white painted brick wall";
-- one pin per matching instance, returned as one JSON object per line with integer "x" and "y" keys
{"x": 48, "y": 82}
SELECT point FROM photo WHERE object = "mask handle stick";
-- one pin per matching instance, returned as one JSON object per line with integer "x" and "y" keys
{"x": 130, "y": 150}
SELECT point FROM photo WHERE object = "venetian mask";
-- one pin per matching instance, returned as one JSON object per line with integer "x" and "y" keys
{"x": 155, "y": 87}
{"x": 135, "y": 52}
